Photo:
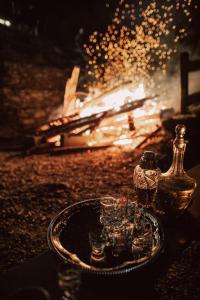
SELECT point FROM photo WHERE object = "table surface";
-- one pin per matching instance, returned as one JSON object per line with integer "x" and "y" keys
{"x": 42, "y": 270}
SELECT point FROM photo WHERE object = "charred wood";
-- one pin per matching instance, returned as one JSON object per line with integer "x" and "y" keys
{"x": 59, "y": 128}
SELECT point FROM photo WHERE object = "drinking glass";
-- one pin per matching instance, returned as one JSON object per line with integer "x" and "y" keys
{"x": 129, "y": 230}
{"x": 110, "y": 211}
{"x": 97, "y": 244}
{"x": 143, "y": 240}
{"x": 118, "y": 240}
{"x": 131, "y": 210}
{"x": 68, "y": 280}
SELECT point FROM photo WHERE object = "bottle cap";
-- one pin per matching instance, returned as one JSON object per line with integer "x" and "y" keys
{"x": 148, "y": 160}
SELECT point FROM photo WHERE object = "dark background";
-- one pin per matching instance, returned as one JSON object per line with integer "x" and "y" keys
{"x": 60, "y": 21}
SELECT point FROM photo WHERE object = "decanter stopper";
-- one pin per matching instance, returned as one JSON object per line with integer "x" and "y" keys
{"x": 176, "y": 187}
{"x": 180, "y": 132}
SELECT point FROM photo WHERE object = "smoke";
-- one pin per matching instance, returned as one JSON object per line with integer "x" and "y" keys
{"x": 168, "y": 86}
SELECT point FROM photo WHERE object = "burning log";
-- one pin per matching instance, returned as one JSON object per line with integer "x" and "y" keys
{"x": 131, "y": 122}
{"x": 70, "y": 91}
{"x": 58, "y": 127}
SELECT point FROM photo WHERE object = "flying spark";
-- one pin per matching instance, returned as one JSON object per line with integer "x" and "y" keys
{"x": 140, "y": 40}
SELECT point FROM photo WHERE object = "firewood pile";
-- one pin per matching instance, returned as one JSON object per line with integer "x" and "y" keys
{"x": 105, "y": 120}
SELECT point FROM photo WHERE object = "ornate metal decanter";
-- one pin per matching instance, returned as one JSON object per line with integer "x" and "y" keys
{"x": 176, "y": 187}
{"x": 146, "y": 178}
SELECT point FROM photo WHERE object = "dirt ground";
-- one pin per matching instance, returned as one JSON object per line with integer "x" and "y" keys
{"x": 34, "y": 188}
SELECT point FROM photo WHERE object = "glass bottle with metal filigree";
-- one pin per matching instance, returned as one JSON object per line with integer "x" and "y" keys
{"x": 146, "y": 177}
{"x": 176, "y": 187}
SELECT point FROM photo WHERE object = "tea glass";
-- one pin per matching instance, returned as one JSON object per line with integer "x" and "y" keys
{"x": 97, "y": 244}
{"x": 111, "y": 212}
{"x": 69, "y": 280}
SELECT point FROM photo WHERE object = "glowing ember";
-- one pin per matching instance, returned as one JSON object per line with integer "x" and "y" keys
{"x": 136, "y": 43}
{"x": 123, "y": 142}
{"x": 117, "y": 130}
{"x": 113, "y": 99}
{"x": 121, "y": 64}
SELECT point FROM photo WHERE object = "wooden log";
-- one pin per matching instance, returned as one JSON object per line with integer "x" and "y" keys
{"x": 98, "y": 100}
{"x": 70, "y": 92}
{"x": 67, "y": 96}
{"x": 78, "y": 123}
{"x": 184, "y": 69}
{"x": 81, "y": 130}
{"x": 149, "y": 136}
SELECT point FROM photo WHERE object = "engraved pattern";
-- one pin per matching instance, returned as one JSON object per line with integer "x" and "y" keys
{"x": 146, "y": 179}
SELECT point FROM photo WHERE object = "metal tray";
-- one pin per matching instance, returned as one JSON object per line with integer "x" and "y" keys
{"x": 68, "y": 238}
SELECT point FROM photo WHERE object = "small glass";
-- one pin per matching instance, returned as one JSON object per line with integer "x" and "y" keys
{"x": 122, "y": 203}
{"x": 137, "y": 248}
{"x": 69, "y": 280}
{"x": 142, "y": 243}
{"x": 131, "y": 211}
{"x": 97, "y": 244}
{"x": 118, "y": 238}
{"x": 111, "y": 212}
{"x": 129, "y": 229}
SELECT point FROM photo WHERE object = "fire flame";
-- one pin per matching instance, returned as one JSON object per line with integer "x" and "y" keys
{"x": 117, "y": 129}
{"x": 140, "y": 40}
{"x": 112, "y": 100}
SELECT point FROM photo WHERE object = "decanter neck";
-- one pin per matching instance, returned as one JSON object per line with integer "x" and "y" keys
{"x": 179, "y": 145}
{"x": 177, "y": 163}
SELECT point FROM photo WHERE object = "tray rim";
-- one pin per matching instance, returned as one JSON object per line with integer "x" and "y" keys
{"x": 118, "y": 270}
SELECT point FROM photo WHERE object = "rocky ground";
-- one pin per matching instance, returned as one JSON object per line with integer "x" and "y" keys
{"x": 34, "y": 188}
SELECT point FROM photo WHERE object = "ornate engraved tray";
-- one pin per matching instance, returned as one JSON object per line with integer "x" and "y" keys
{"x": 68, "y": 238}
